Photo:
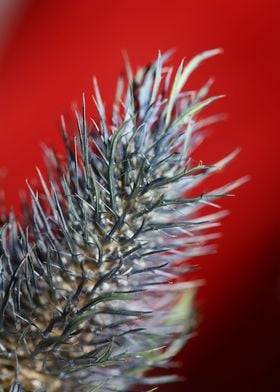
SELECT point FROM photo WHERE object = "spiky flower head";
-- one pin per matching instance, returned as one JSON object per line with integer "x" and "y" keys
{"x": 89, "y": 292}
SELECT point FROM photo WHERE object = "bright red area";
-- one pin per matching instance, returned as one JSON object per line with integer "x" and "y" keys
{"x": 50, "y": 61}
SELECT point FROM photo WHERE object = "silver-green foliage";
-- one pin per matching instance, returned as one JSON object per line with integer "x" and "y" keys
{"x": 89, "y": 291}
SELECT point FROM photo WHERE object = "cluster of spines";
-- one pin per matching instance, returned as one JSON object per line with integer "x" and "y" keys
{"x": 89, "y": 298}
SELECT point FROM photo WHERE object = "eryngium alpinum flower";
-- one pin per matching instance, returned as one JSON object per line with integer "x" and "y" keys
{"x": 89, "y": 291}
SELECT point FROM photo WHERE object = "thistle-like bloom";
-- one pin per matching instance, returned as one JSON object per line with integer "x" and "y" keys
{"x": 89, "y": 291}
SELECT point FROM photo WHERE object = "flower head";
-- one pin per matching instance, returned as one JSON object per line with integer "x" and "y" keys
{"x": 89, "y": 292}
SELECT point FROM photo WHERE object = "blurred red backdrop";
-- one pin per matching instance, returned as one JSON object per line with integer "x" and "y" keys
{"x": 46, "y": 63}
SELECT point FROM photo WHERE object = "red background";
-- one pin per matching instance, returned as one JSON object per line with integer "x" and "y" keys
{"x": 49, "y": 59}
